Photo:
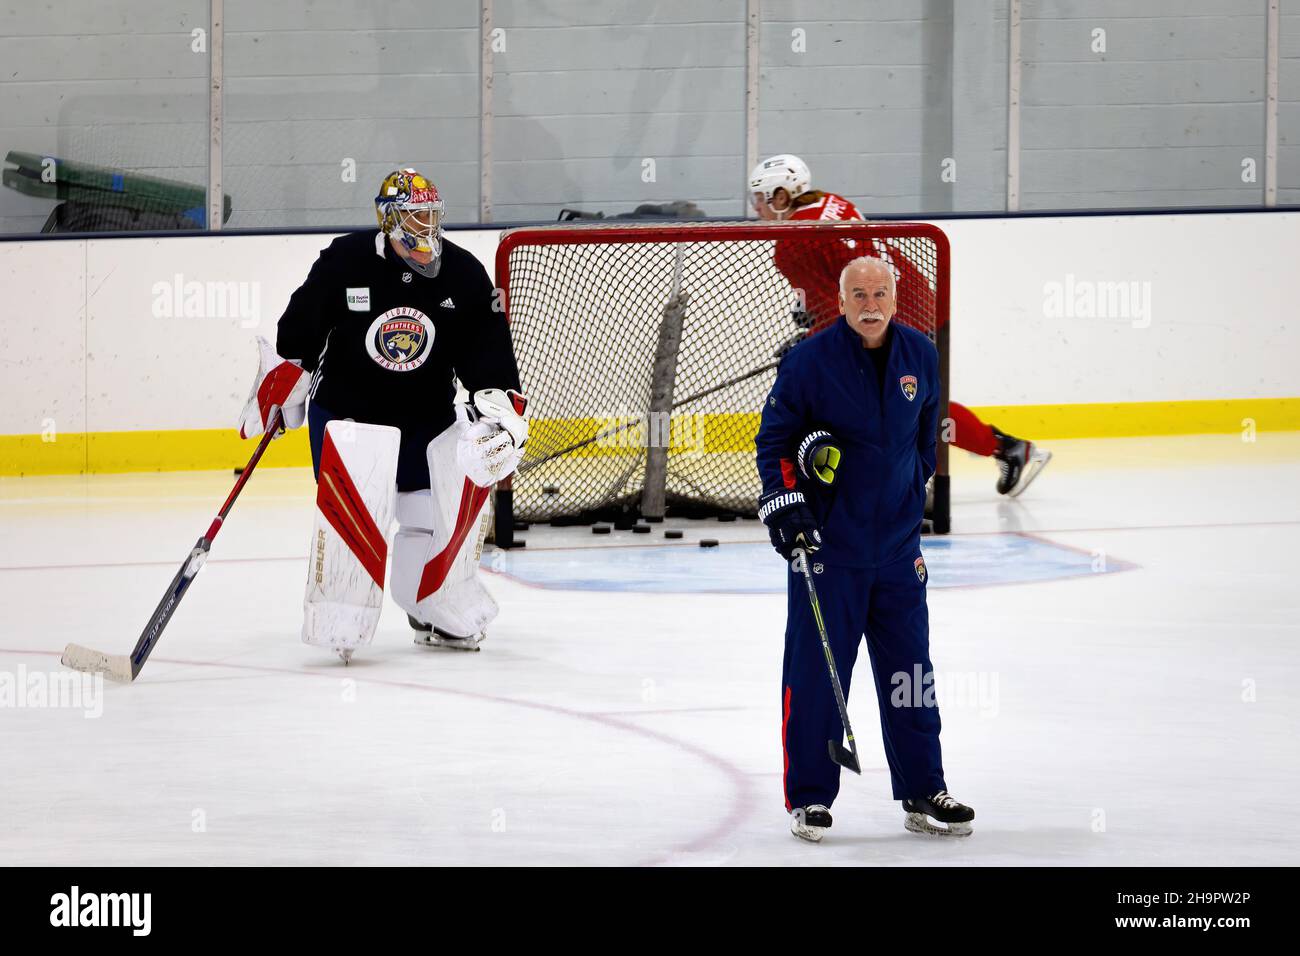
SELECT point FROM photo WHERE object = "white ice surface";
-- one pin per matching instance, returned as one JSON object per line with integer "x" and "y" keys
{"x": 1142, "y": 717}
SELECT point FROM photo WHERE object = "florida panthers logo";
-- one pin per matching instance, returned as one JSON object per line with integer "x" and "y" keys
{"x": 401, "y": 339}
{"x": 919, "y": 566}
{"x": 908, "y": 384}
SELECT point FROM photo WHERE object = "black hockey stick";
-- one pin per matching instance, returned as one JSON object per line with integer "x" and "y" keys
{"x": 845, "y": 758}
{"x": 125, "y": 667}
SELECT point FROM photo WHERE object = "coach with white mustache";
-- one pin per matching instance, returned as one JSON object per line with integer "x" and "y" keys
{"x": 846, "y": 445}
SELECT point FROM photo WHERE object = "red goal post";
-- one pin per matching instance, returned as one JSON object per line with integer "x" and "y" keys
{"x": 647, "y": 350}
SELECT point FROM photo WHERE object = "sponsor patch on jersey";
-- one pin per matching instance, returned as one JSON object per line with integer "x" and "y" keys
{"x": 919, "y": 565}
{"x": 818, "y": 568}
{"x": 401, "y": 339}
{"x": 359, "y": 300}
{"x": 908, "y": 384}
{"x": 447, "y": 303}
{"x": 407, "y": 277}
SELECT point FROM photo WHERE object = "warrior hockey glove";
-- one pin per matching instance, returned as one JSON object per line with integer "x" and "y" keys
{"x": 818, "y": 457}
{"x": 790, "y": 522}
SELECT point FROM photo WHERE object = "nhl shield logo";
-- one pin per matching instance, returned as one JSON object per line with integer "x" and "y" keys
{"x": 401, "y": 339}
{"x": 908, "y": 384}
{"x": 919, "y": 566}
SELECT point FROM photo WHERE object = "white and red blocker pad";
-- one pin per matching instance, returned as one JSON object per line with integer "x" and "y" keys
{"x": 355, "y": 501}
{"x": 439, "y": 539}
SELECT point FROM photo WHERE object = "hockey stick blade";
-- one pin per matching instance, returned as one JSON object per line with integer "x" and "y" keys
{"x": 845, "y": 758}
{"x": 113, "y": 666}
{"x": 125, "y": 667}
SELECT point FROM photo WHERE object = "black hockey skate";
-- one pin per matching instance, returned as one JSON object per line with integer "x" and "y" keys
{"x": 810, "y": 823}
{"x": 426, "y": 635}
{"x": 938, "y": 815}
{"x": 1020, "y": 461}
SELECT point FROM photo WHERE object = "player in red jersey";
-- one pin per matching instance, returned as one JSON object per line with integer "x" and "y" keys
{"x": 782, "y": 191}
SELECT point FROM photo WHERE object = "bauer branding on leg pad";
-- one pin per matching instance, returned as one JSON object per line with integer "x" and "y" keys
{"x": 355, "y": 501}
{"x": 436, "y": 552}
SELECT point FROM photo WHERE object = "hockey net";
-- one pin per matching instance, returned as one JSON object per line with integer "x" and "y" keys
{"x": 647, "y": 352}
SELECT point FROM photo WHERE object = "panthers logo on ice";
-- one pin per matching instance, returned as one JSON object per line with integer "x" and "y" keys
{"x": 401, "y": 339}
{"x": 908, "y": 384}
{"x": 919, "y": 565}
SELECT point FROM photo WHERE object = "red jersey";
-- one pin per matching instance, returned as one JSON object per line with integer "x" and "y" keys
{"x": 816, "y": 267}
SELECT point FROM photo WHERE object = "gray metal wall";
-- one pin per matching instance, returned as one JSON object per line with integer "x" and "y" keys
{"x": 1164, "y": 117}
{"x": 586, "y": 93}
{"x": 108, "y": 83}
{"x": 879, "y": 96}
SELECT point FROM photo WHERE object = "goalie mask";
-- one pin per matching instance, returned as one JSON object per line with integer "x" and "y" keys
{"x": 409, "y": 210}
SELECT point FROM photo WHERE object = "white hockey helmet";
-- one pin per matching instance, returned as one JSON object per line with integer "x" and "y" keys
{"x": 782, "y": 171}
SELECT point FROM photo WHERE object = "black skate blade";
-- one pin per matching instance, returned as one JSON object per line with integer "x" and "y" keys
{"x": 845, "y": 758}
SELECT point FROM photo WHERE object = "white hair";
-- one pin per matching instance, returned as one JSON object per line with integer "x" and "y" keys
{"x": 867, "y": 261}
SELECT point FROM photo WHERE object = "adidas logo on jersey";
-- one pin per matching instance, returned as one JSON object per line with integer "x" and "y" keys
{"x": 447, "y": 303}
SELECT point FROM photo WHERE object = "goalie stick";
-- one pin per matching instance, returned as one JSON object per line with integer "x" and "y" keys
{"x": 125, "y": 667}
{"x": 845, "y": 758}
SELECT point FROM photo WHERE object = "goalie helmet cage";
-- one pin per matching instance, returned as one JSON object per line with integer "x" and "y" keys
{"x": 647, "y": 352}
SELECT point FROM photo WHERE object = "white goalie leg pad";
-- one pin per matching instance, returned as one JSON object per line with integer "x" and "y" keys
{"x": 355, "y": 502}
{"x": 439, "y": 541}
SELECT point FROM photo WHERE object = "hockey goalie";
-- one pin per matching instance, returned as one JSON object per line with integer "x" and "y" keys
{"x": 367, "y": 354}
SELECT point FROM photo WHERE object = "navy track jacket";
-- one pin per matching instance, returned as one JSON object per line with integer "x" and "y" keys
{"x": 872, "y": 515}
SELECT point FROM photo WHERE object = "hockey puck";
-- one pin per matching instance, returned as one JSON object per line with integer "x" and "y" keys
{"x": 653, "y": 519}
{"x": 239, "y": 471}
{"x": 672, "y": 534}
{"x": 726, "y": 517}
{"x": 641, "y": 529}
{"x": 600, "y": 529}
{"x": 550, "y": 489}
{"x": 708, "y": 543}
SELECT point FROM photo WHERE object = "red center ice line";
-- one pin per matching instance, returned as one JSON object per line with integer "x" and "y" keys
{"x": 742, "y": 802}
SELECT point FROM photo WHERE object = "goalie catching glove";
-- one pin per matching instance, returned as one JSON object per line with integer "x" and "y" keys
{"x": 491, "y": 447}
{"x": 280, "y": 383}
